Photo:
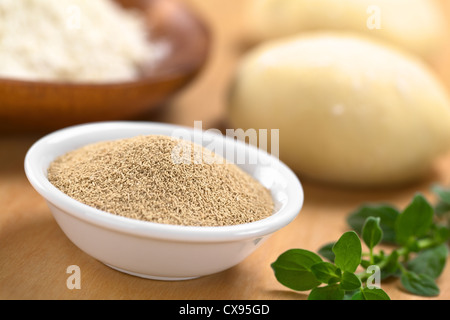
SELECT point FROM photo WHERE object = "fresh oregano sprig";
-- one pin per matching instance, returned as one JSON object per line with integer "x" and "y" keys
{"x": 420, "y": 239}
{"x": 418, "y": 258}
{"x": 442, "y": 207}
{"x": 303, "y": 270}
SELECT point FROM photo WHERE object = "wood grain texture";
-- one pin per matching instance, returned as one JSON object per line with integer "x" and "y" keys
{"x": 34, "y": 253}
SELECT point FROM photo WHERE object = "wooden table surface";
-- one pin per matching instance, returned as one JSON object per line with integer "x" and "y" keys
{"x": 34, "y": 252}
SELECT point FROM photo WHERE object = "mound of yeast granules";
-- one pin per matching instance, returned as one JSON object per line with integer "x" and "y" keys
{"x": 138, "y": 178}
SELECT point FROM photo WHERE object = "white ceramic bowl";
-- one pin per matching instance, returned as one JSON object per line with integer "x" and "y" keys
{"x": 162, "y": 251}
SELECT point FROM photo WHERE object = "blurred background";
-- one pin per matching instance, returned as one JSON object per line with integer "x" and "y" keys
{"x": 193, "y": 82}
{"x": 232, "y": 36}
{"x": 234, "y": 27}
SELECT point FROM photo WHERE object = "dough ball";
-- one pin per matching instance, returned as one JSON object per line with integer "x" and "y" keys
{"x": 350, "y": 110}
{"x": 417, "y": 25}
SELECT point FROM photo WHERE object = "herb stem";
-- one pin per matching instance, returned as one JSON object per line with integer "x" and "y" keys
{"x": 371, "y": 259}
{"x": 362, "y": 276}
{"x": 402, "y": 252}
{"x": 421, "y": 245}
{"x": 426, "y": 243}
{"x": 402, "y": 268}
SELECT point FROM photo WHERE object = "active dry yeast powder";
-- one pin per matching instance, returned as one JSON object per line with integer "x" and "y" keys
{"x": 140, "y": 178}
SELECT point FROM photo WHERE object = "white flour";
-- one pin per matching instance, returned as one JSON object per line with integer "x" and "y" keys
{"x": 72, "y": 40}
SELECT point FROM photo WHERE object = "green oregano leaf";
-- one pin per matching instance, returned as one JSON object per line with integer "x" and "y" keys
{"x": 414, "y": 221}
{"x": 330, "y": 292}
{"x": 326, "y": 272}
{"x": 348, "y": 252}
{"x": 371, "y": 232}
{"x": 293, "y": 269}
{"x": 441, "y": 233}
{"x": 370, "y": 294}
{"x": 430, "y": 261}
{"x": 387, "y": 214}
{"x": 442, "y": 211}
{"x": 326, "y": 251}
{"x": 419, "y": 284}
{"x": 442, "y": 208}
{"x": 442, "y": 193}
{"x": 391, "y": 267}
{"x": 365, "y": 263}
{"x": 350, "y": 281}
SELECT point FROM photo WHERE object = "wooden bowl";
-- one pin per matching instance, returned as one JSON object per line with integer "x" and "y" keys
{"x": 50, "y": 105}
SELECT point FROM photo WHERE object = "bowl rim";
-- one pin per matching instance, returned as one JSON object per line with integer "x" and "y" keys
{"x": 36, "y": 175}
